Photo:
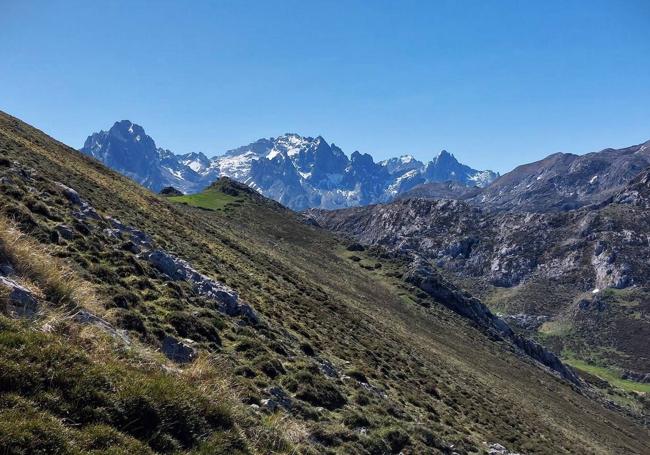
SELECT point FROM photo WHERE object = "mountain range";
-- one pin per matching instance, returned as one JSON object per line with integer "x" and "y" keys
{"x": 299, "y": 172}
{"x": 223, "y": 322}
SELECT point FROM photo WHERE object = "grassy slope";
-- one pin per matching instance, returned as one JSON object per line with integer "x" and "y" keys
{"x": 609, "y": 336}
{"x": 210, "y": 199}
{"x": 444, "y": 380}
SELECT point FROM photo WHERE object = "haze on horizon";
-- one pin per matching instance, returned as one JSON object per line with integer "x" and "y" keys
{"x": 496, "y": 84}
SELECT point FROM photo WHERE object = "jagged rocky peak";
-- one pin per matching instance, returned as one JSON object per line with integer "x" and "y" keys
{"x": 125, "y": 147}
{"x": 298, "y": 171}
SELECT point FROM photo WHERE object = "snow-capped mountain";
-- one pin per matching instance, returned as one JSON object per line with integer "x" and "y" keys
{"x": 299, "y": 172}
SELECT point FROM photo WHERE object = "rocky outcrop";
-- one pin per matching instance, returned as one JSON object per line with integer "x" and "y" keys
{"x": 20, "y": 301}
{"x": 643, "y": 378}
{"x": 600, "y": 247}
{"x": 537, "y": 352}
{"x": 65, "y": 231}
{"x": 177, "y": 269}
{"x": 170, "y": 191}
{"x": 498, "y": 449}
{"x": 88, "y": 318}
{"x": 423, "y": 276}
{"x": 278, "y": 399}
{"x": 179, "y": 350}
{"x": 139, "y": 242}
{"x": 70, "y": 194}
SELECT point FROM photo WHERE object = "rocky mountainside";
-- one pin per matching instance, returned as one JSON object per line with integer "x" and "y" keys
{"x": 441, "y": 190}
{"x": 221, "y": 322}
{"x": 299, "y": 172}
{"x": 559, "y": 182}
{"x": 565, "y": 181}
{"x": 580, "y": 278}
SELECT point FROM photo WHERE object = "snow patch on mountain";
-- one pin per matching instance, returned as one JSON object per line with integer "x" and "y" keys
{"x": 299, "y": 172}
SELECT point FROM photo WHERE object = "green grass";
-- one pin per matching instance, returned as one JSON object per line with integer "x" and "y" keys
{"x": 209, "y": 199}
{"x": 555, "y": 328}
{"x": 432, "y": 379}
{"x": 608, "y": 375}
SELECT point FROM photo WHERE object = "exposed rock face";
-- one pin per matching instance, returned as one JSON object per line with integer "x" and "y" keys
{"x": 180, "y": 351}
{"x": 637, "y": 192}
{"x": 20, "y": 300}
{"x": 565, "y": 181}
{"x": 441, "y": 190}
{"x": 86, "y": 317}
{"x": 597, "y": 247}
{"x": 126, "y": 148}
{"x": 538, "y": 352}
{"x": 178, "y": 269}
{"x": 423, "y": 276}
{"x": 299, "y": 172}
{"x": 279, "y": 398}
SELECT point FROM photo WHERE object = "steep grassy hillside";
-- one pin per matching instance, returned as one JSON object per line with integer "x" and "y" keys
{"x": 578, "y": 281}
{"x": 325, "y": 350}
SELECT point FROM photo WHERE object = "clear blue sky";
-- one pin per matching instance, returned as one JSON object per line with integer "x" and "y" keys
{"x": 497, "y": 83}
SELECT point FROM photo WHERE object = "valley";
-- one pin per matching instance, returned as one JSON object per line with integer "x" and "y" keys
{"x": 223, "y": 322}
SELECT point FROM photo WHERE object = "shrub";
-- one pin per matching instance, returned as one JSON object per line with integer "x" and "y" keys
{"x": 126, "y": 299}
{"x": 272, "y": 368}
{"x": 354, "y": 419}
{"x": 396, "y": 438}
{"x": 189, "y": 326}
{"x": 40, "y": 208}
{"x": 307, "y": 349}
{"x": 318, "y": 391}
{"x": 358, "y": 375}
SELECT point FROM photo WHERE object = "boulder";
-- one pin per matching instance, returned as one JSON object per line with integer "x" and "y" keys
{"x": 20, "y": 300}
{"x": 279, "y": 398}
{"x": 498, "y": 449}
{"x": 65, "y": 231}
{"x": 355, "y": 247}
{"x": 170, "y": 191}
{"x": 138, "y": 237}
{"x": 179, "y": 350}
{"x": 70, "y": 194}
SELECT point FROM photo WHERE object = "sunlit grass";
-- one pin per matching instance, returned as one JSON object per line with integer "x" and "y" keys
{"x": 208, "y": 199}
{"x": 608, "y": 375}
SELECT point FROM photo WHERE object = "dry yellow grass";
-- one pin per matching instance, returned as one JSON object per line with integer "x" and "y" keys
{"x": 36, "y": 268}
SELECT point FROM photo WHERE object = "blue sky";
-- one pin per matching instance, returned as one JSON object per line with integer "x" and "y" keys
{"x": 497, "y": 83}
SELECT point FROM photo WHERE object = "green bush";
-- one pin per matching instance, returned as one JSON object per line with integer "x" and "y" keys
{"x": 190, "y": 326}
{"x": 317, "y": 390}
